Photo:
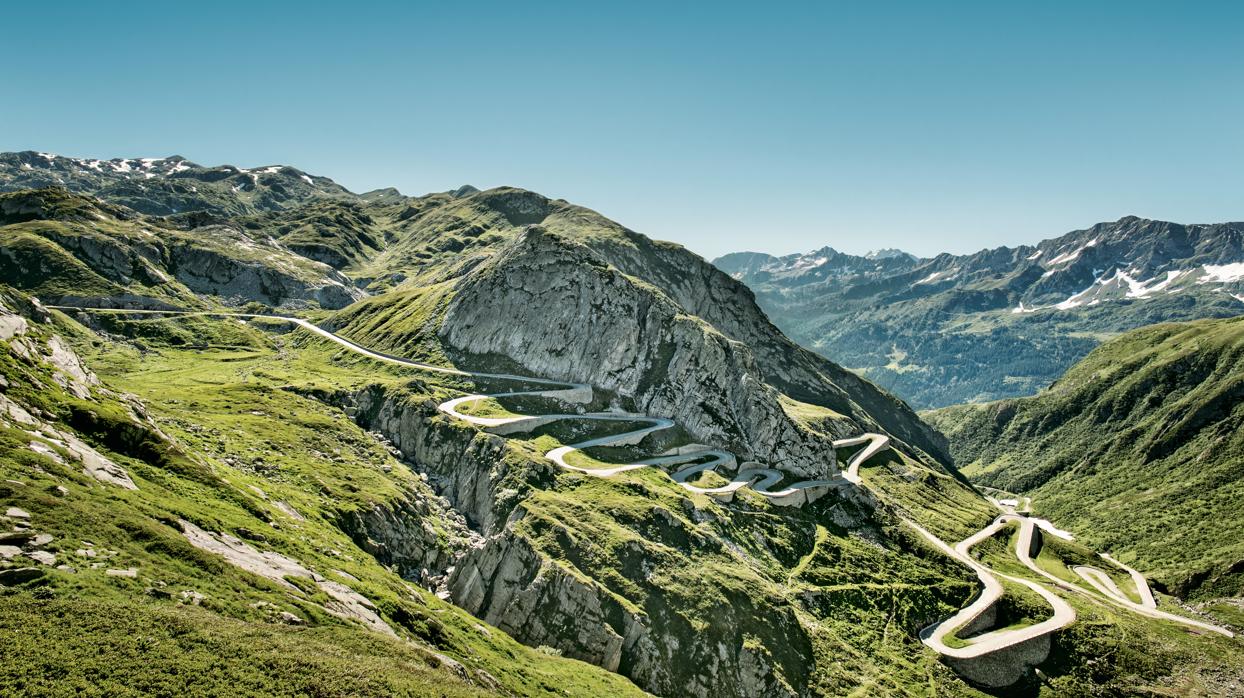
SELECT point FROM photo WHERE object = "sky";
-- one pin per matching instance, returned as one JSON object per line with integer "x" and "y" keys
{"x": 724, "y": 126}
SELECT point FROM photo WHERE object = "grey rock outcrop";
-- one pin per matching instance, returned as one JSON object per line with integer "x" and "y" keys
{"x": 531, "y": 301}
{"x": 467, "y": 467}
{"x": 401, "y": 534}
{"x": 69, "y": 372}
{"x": 704, "y": 291}
{"x": 279, "y": 278}
{"x": 342, "y": 601}
{"x": 510, "y": 585}
{"x": 147, "y": 259}
{"x": 506, "y": 580}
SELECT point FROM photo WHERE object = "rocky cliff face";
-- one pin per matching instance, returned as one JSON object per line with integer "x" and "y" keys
{"x": 560, "y": 311}
{"x": 471, "y": 469}
{"x": 506, "y": 578}
{"x": 446, "y": 238}
{"x": 730, "y": 307}
{"x": 273, "y": 276}
{"x": 401, "y": 535}
{"x": 509, "y": 584}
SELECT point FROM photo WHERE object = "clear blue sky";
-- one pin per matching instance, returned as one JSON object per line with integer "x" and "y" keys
{"x": 724, "y": 126}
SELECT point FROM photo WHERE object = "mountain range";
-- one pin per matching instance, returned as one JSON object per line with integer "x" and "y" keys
{"x": 260, "y": 434}
{"x": 999, "y": 323}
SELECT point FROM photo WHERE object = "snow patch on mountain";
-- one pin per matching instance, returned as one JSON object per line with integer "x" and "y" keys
{"x": 1222, "y": 273}
{"x": 888, "y": 253}
{"x": 1076, "y": 300}
{"x": 1075, "y": 254}
{"x": 1107, "y": 288}
{"x": 1143, "y": 289}
{"x": 947, "y": 275}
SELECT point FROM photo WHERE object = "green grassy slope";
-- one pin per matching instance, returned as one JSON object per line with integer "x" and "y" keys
{"x": 61, "y": 646}
{"x": 225, "y": 439}
{"x": 1138, "y": 449}
{"x": 832, "y": 596}
{"x": 338, "y": 233}
{"x": 252, "y": 445}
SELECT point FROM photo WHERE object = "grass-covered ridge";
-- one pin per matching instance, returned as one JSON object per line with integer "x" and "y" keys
{"x": 73, "y": 249}
{"x": 1138, "y": 449}
{"x": 585, "y": 524}
{"x": 53, "y": 648}
{"x": 338, "y": 233}
{"x": 281, "y": 471}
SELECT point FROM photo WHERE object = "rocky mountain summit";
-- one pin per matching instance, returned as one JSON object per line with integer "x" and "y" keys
{"x": 295, "y": 257}
{"x": 1000, "y": 322}
{"x": 530, "y": 301}
{"x": 550, "y": 264}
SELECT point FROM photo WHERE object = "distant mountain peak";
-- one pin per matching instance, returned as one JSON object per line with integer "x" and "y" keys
{"x": 887, "y": 253}
{"x": 170, "y": 185}
{"x": 998, "y": 322}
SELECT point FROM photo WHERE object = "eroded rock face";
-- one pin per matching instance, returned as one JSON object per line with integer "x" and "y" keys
{"x": 466, "y": 466}
{"x": 148, "y": 256}
{"x": 510, "y": 585}
{"x": 400, "y": 534}
{"x": 505, "y": 580}
{"x": 730, "y": 307}
{"x": 343, "y": 601}
{"x": 561, "y": 312}
{"x": 72, "y": 376}
{"x": 266, "y": 280}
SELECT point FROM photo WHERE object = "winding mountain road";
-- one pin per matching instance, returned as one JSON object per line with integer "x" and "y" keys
{"x": 761, "y": 480}
{"x": 698, "y": 459}
{"x": 1101, "y": 582}
{"x": 701, "y": 459}
{"x": 992, "y": 589}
